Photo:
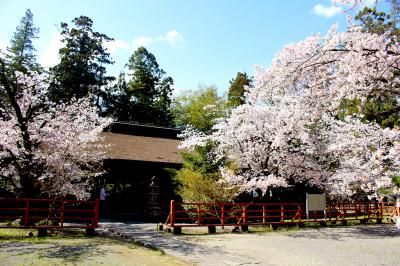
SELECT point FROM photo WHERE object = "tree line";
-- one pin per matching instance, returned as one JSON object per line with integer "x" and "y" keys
{"x": 142, "y": 95}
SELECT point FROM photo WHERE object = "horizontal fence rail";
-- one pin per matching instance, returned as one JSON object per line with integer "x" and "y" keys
{"x": 48, "y": 213}
{"x": 239, "y": 214}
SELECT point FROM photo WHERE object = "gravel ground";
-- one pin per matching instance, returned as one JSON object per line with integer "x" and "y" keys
{"x": 357, "y": 245}
{"x": 350, "y": 245}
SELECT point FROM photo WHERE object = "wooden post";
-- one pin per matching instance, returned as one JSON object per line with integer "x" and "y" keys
{"x": 244, "y": 215}
{"x": 244, "y": 228}
{"x": 172, "y": 214}
{"x": 264, "y": 214}
{"x": 198, "y": 214}
{"x": 223, "y": 215}
{"x": 62, "y": 213}
{"x": 42, "y": 232}
{"x": 282, "y": 214}
{"x": 379, "y": 218}
{"x": 96, "y": 213}
{"x": 212, "y": 229}
{"x": 26, "y": 215}
{"x": 177, "y": 230}
{"x": 299, "y": 213}
{"x": 90, "y": 231}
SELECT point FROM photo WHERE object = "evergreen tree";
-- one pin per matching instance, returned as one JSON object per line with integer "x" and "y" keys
{"x": 383, "y": 109}
{"x": 149, "y": 90}
{"x": 375, "y": 21}
{"x": 21, "y": 54}
{"x": 237, "y": 89}
{"x": 82, "y": 69}
{"x": 20, "y": 57}
{"x": 116, "y": 101}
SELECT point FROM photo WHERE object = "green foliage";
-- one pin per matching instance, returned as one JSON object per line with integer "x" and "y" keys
{"x": 385, "y": 111}
{"x": 21, "y": 54}
{"x": 382, "y": 109}
{"x": 195, "y": 187}
{"x": 82, "y": 69}
{"x": 348, "y": 107}
{"x": 374, "y": 21}
{"x": 201, "y": 161}
{"x": 199, "y": 109}
{"x": 200, "y": 181}
{"x": 146, "y": 97}
{"x": 237, "y": 89}
{"x": 396, "y": 180}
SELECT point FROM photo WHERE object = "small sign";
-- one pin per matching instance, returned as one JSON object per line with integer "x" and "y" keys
{"x": 315, "y": 202}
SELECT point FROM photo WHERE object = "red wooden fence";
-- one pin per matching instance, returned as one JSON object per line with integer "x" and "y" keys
{"x": 237, "y": 214}
{"x": 68, "y": 213}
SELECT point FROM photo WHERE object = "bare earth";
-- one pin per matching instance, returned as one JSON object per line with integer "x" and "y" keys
{"x": 352, "y": 245}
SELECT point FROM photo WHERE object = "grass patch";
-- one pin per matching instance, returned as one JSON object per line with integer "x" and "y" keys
{"x": 72, "y": 247}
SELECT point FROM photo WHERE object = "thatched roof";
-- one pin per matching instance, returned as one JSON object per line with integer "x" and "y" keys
{"x": 141, "y": 148}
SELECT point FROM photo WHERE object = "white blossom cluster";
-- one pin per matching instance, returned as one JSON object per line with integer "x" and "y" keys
{"x": 289, "y": 130}
{"x": 65, "y": 139}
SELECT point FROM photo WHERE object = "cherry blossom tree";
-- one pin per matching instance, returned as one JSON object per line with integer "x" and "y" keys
{"x": 294, "y": 126}
{"x": 46, "y": 149}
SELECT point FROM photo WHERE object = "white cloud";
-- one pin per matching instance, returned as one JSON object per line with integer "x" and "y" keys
{"x": 114, "y": 45}
{"x": 143, "y": 41}
{"x": 49, "y": 56}
{"x": 326, "y": 11}
{"x": 172, "y": 38}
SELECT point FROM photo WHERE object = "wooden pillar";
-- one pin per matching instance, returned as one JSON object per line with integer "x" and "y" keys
{"x": 177, "y": 230}
{"x": 172, "y": 213}
{"x": 212, "y": 229}
{"x": 42, "y": 232}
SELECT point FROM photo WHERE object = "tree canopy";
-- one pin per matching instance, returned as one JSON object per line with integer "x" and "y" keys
{"x": 21, "y": 54}
{"x": 199, "y": 109}
{"x": 82, "y": 69}
{"x": 46, "y": 148}
{"x": 290, "y": 129}
{"x": 238, "y": 87}
{"x": 143, "y": 95}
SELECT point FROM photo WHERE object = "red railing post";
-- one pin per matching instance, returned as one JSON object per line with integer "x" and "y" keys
{"x": 223, "y": 214}
{"x": 299, "y": 213}
{"x": 172, "y": 212}
{"x": 282, "y": 214}
{"x": 62, "y": 212}
{"x": 198, "y": 214}
{"x": 244, "y": 214}
{"x": 264, "y": 214}
{"x": 96, "y": 212}
{"x": 26, "y": 216}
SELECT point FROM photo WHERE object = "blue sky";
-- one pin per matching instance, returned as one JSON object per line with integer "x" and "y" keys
{"x": 196, "y": 42}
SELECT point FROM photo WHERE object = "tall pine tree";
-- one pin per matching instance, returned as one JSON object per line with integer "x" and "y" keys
{"x": 149, "y": 90}
{"x": 82, "y": 69}
{"x": 237, "y": 89}
{"x": 21, "y": 54}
